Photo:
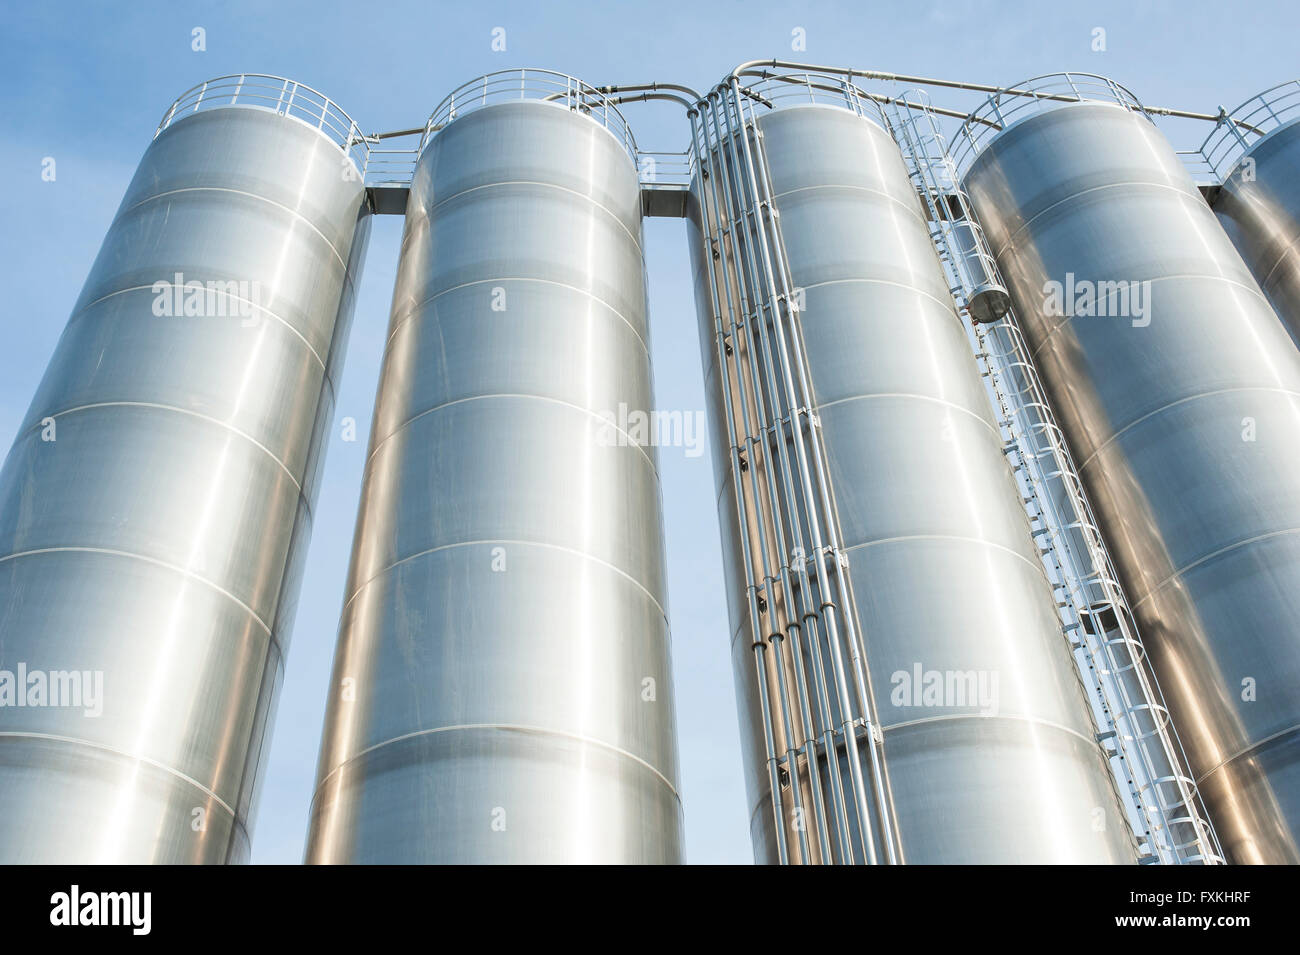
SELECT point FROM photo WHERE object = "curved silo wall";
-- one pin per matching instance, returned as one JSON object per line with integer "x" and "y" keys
{"x": 502, "y": 688}
{"x": 1181, "y": 402}
{"x": 156, "y": 504}
{"x": 944, "y": 574}
{"x": 1258, "y": 206}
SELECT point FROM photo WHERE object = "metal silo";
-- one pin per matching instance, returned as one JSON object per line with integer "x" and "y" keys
{"x": 156, "y": 504}
{"x": 1179, "y": 393}
{"x": 1256, "y": 150}
{"x": 502, "y": 688}
{"x": 884, "y": 589}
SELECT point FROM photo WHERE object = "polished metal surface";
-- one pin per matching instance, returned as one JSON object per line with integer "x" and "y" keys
{"x": 156, "y": 504}
{"x": 1145, "y": 755}
{"x": 1258, "y": 206}
{"x": 1183, "y": 412}
{"x": 502, "y": 688}
{"x": 945, "y": 578}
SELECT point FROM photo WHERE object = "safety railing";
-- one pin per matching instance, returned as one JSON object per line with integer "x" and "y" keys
{"x": 664, "y": 168}
{"x": 391, "y": 166}
{"x": 279, "y": 95}
{"x": 1198, "y": 167}
{"x": 1004, "y": 107}
{"x": 522, "y": 84}
{"x": 775, "y": 90}
{"x": 1240, "y": 129}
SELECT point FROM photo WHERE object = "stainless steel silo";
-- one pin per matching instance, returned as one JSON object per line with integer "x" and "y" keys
{"x": 156, "y": 504}
{"x": 942, "y": 582}
{"x": 502, "y": 688}
{"x": 1258, "y": 203}
{"x": 1179, "y": 393}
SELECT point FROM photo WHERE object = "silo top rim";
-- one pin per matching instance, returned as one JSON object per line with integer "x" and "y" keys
{"x": 788, "y": 89}
{"x": 535, "y": 85}
{"x": 275, "y": 94}
{"x": 823, "y": 106}
{"x": 1011, "y": 106}
{"x": 1241, "y": 130}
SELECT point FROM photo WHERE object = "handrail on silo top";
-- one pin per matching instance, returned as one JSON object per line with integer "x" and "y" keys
{"x": 1256, "y": 118}
{"x": 530, "y": 83}
{"x": 1035, "y": 95}
{"x": 279, "y": 95}
{"x": 778, "y": 89}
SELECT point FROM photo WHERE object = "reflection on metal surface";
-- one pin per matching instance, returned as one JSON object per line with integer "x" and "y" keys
{"x": 1145, "y": 754}
{"x": 502, "y": 689}
{"x": 942, "y": 578}
{"x": 1259, "y": 201}
{"x": 156, "y": 505}
{"x": 1180, "y": 395}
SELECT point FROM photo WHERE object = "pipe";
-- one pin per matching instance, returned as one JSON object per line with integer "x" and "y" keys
{"x": 738, "y": 468}
{"x": 749, "y": 68}
{"x": 801, "y": 396}
{"x": 694, "y": 97}
{"x": 645, "y": 97}
{"x": 376, "y": 137}
{"x": 798, "y": 597}
{"x": 874, "y": 97}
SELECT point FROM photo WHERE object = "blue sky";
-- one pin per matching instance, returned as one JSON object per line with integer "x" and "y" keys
{"x": 86, "y": 83}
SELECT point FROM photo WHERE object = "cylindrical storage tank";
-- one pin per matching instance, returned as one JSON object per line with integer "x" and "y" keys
{"x": 156, "y": 505}
{"x": 1179, "y": 393}
{"x": 502, "y": 687}
{"x": 988, "y": 740}
{"x": 1258, "y": 203}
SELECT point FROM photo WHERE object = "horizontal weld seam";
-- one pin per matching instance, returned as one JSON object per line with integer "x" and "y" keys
{"x": 173, "y": 409}
{"x": 460, "y": 401}
{"x": 410, "y": 314}
{"x": 1195, "y": 276}
{"x": 1174, "y": 404}
{"x": 430, "y": 211}
{"x": 79, "y": 313}
{"x": 1248, "y": 750}
{"x": 513, "y": 543}
{"x": 915, "y": 213}
{"x": 51, "y": 737}
{"x": 1213, "y": 556}
{"x": 106, "y": 551}
{"x": 238, "y": 192}
{"x": 1198, "y": 199}
{"x": 509, "y": 727}
{"x": 1009, "y": 717}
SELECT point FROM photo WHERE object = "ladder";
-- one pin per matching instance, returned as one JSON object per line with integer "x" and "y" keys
{"x": 1134, "y": 726}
